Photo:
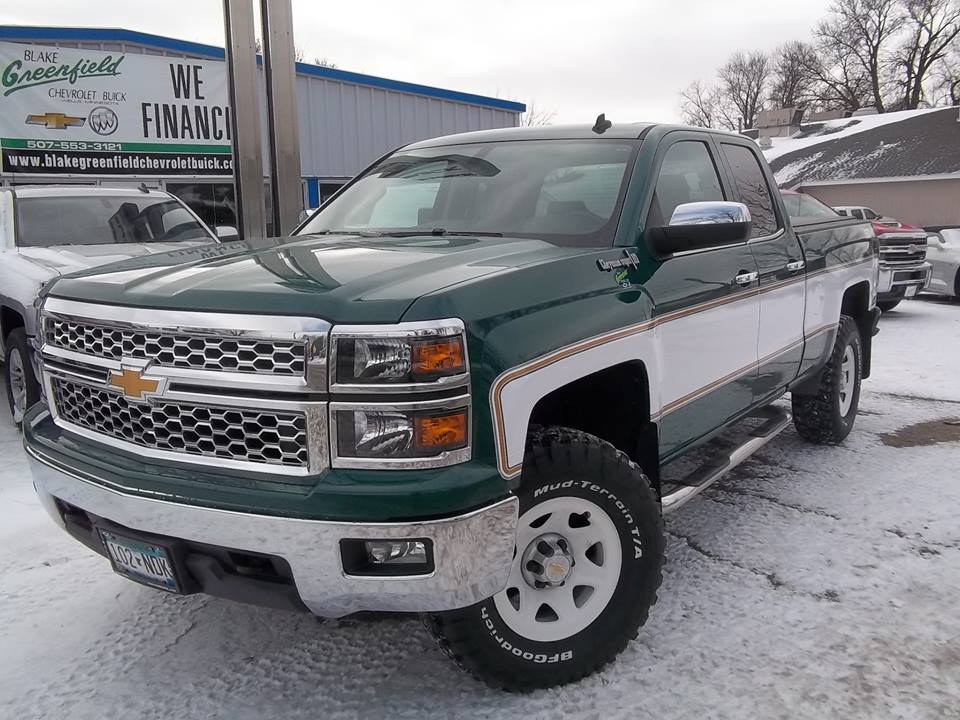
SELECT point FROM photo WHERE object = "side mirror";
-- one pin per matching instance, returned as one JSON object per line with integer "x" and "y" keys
{"x": 227, "y": 232}
{"x": 700, "y": 225}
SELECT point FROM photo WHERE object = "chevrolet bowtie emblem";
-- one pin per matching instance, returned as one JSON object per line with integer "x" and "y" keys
{"x": 134, "y": 385}
{"x": 55, "y": 121}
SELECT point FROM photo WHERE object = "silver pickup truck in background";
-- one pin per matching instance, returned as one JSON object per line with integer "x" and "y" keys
{"x": 51, "y": 230}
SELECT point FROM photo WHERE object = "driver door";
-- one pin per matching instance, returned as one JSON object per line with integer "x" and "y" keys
{"x": 706, "y": 302}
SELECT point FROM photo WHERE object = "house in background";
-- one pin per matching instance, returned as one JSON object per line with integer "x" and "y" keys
{"x": 902, "y": 164}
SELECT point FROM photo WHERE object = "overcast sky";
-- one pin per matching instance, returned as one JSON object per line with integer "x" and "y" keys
{"x": 575, "y": 57}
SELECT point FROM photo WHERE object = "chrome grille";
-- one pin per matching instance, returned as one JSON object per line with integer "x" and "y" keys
{"x": 195, "y": 352}
{"x": 903, "y": 251}
{"x": 258, "y": 436}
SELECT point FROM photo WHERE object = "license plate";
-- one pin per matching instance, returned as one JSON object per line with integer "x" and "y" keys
{"x": 140, "y": 561}
{"x": 911, "y": 291}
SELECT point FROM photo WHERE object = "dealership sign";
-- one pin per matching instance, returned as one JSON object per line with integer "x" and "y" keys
{"x": 70, "y": 111}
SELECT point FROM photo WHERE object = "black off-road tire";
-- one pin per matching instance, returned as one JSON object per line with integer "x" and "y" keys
{"x": 888, "y": 305}
{"x": 565, "y": 463}
{"x": 818, "y": 418}
{"x": 16, "y": 342}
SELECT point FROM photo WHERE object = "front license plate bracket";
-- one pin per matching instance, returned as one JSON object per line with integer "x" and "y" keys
{"x": 142, "y": 560}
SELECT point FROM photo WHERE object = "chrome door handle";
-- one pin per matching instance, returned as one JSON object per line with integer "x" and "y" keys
{"x": 795, "y": 265}
{"x": 746, "y": 278}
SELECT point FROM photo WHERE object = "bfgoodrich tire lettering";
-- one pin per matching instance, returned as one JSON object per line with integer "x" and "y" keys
{"x": 563, "y": 467}
{"x": 828, "y": 416}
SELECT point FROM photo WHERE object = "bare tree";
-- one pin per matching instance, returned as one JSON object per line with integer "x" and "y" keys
{"x": 865, "y": 29}
{"x": 947, "y": 78}
{"x": 932, "y": 27}
{"x": 536, "y": 115}
{"x": 842, "y": 83}
{"x": 324, "y": 62}
{"x": 743, "y": 83}
{"x": 794, "y": 75}
{"x": 698, "y": 105}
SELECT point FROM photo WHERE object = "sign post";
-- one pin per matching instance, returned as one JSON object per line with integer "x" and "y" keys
{"x": 247, "y": 151}
{"x": 279, "y": 64}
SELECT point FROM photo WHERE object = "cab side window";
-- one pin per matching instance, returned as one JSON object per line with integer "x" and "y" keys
{"x": 687, "y": 174}
{"x": 858, "y": 214}
{"x": 754, "y": 191}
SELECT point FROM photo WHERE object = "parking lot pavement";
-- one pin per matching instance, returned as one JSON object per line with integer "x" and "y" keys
{"x": 812, "y": 582}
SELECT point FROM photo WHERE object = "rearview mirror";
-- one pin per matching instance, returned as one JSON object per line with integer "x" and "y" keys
{"x": 700, "y": 225}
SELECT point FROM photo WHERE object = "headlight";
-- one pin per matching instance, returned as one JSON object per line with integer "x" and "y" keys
{"x": 400, "y": 434}
{"x": 408, "y": 354}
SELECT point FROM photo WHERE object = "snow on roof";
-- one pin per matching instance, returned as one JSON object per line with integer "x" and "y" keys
{"x": 818, "y": 132}
{"x": 901, "y": 144}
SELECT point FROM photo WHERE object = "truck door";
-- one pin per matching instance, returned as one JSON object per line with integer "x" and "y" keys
{"x": 705, "y": 302}
{"x": 780, "y": 262}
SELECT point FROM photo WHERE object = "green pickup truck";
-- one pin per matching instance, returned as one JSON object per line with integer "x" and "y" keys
{"x": 457, "y": 389}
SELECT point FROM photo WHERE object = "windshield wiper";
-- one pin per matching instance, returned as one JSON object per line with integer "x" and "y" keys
{"x": 361, "y": 233}
{"x": 439, "y": 232}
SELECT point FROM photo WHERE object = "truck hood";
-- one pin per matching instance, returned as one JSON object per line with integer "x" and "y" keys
{"x": 63, "y": 259}
{"x": 342, "y": 278}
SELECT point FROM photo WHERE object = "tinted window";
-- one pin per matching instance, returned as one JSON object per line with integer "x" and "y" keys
{"x": 869, "y": 214}
{"x": 754, "y": 191}
{"x": 686, "y": 175}
{"x": 103, "y": 220}
{"x": 563, "y": 191}
{"x": 857, "y": 214}
{"x": 805, "y": 206}
{"x": 213, "y": 202}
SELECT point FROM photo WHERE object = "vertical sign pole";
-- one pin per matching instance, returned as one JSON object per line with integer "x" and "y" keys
{"x": 245, "y": 117}
{"x": 279, "y": 59}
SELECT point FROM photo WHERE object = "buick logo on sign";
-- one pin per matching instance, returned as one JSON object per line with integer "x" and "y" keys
{"x": 103, "y": 120}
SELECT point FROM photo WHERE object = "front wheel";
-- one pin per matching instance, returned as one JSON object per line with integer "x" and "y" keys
{"x": 827, "y": 417}
{"x": 586, "y": 568}
{"x": 22, "y": 388}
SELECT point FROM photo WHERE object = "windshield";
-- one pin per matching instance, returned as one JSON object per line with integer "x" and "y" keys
{"x": 563, "y": 191}
{"x": 104, "y": 220}
{"x": 805, "y": 206}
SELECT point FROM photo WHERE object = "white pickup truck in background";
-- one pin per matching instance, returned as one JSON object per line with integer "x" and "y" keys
{"x": 51, "y": 230}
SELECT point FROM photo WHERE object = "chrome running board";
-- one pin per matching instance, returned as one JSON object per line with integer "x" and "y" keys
{"x": 776, "y": 421}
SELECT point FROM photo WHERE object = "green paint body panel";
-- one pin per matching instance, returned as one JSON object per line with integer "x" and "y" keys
{"x": 519, "y": 299}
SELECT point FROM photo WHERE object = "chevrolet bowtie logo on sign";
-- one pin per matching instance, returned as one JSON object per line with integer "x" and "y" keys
{"x": 134, "y": 385}
{"x": 56, "y": 121}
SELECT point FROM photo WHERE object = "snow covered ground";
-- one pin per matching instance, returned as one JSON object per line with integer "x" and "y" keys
{"x": 810, "y": 583}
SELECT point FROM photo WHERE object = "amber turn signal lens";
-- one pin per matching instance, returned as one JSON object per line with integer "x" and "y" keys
{"x": 440, "y": 432}
{"x": 436, "y": 358}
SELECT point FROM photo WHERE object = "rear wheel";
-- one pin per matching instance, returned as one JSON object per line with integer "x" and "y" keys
{"x": 827, "y": 417}
{"x": 586, "y": 568}
{"x": 22, "y": 388}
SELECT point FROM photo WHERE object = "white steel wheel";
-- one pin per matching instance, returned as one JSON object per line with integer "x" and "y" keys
{"x": 18, "y": 385}
{"x": 566, "y": 567}
{"x": 848, "y": 380}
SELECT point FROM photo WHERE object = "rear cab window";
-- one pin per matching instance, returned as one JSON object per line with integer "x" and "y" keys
{"x": 753, "y": 188}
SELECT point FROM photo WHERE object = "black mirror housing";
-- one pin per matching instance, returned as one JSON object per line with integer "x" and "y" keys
{"x": 671, "y": 239}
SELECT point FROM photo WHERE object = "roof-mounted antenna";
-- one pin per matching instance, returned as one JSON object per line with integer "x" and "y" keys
{"x": 143, "y": 188}
{"x": 602, "y": 124}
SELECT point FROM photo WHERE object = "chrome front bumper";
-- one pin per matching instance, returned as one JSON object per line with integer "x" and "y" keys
{"x": 472, "y": 552}
{"x": 892, "y": 277}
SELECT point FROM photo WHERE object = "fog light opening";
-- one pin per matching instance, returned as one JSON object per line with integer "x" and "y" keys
{"x": 385, "y": 557}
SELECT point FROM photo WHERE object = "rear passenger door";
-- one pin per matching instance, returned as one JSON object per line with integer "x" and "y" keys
{"x": 707, "y": 319}
{"x": 781, "y": 265}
